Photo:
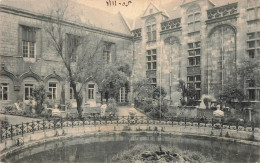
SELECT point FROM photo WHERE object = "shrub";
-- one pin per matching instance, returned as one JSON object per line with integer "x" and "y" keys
{"x": 112, "y": 106}
{"x": 39, "y": 94}
{"x": 4, "y": 122}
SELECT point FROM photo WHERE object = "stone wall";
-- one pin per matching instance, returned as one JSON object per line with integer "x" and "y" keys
{"x": 48, "y": 65}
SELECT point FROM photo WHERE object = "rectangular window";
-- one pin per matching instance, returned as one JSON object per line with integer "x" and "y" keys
{"x": 251, "y": 14}
{"x": 151, "y": 59}
{"x": 250, "y": 36}
{"x": 197, "y": 60}
{"x": 28, "y": 42}
{"x": 251, "y": 94}
{"x": 197, "y": 85}
{"x": 251, "y": 44}
{"x": 191, "y": 61}
{"x": 190, "y": 78}
{"x": 151, "y": 32}
{"x": 107, "y": 53}
{"x": 122, "y": 94}
{"x": 251, "y": 53}
{"x": 91, "y": 88}
{"x": 197, "y": 78}
{"x": 251, "y": 83}
{"x": 190, "y": 45}
{"x": 73, "y": 44}
{"x": 197, "y": 26}
{"x": 4, "y": 91}
{"x": 28, "y": 89}
{"x": 197, "y": 95}
{"x": 53, "y": 91}
{"x": 191, "y": 53}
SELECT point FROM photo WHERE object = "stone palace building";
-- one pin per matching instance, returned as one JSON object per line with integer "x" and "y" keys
{"x": 201, "y": 42}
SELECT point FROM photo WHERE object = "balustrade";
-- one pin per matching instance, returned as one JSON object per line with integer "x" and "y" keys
{"x": 60, "y": 123}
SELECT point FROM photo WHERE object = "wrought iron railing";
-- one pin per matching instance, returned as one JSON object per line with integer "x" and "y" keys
{"x": 10, "y": 131}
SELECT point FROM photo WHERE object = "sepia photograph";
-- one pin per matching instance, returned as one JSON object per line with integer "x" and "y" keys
{"x": 130, "y": 81}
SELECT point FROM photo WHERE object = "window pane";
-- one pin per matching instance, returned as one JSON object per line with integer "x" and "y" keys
{"x": 251, "y": 14}
{"x": 197, "y": 60}
{"x": 251, "y": 53}
{"x": 154, "y": 27}
{"x": 191, "y": 53}
{"x": 197, "y": 52}
{"x": 197, "y": 16}
{"x": 190, "y": 78}
{"x": 25, "y": 49}
{"x": 251, "y": 44}
{"x": 149, "y": 35}
{"x": 26, "y": 93}
{"x": 197, "y": 26}
{"x": 197, "y": 78}
{"x": 149, "y": 28}
{"x": 31, "y": 50}
{"x": 154, "y": 35}
{"x": 154, "y": 51}
{"x": 197, "y": 44}
{"x": 190, "y": 45}
{"x": 154, "y": 57}
{"x": 148, "y": 52}
{"x": 191, "y": 62}
{"x": 251, "y": 36}
{"x": 251, "y": 94}
{"x": 149, "y": 58}
{"x": 149, "y": 66}
{"x": 190, "y": 18}
{"x": 154, "y": 65}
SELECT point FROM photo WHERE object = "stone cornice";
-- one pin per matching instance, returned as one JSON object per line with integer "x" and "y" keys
{"x": 43, "y": 17}
{"x": 234, "y": 16}
{"x": 220, "y": 13}
{"x": 170, "y": 30}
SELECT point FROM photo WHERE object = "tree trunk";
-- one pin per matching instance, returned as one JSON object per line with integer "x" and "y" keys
{"x": 78, "y": 99}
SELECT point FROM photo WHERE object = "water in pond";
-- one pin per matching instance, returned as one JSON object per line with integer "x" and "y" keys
{"x": 100, "y": 149}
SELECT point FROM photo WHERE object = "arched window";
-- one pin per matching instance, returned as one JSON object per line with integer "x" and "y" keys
{"x": 151, "y": 29}
{"x": 194, "y": 14}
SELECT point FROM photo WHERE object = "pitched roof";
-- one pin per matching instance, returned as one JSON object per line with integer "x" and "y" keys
{"x": 172, "y": 9}
{"x": 84, "y": 14}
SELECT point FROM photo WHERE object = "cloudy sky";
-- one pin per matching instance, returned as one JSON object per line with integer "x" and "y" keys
{"x": 133, "y": 10}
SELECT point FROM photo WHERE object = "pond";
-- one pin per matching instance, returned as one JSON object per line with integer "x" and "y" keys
{"x": 100, "y": 149}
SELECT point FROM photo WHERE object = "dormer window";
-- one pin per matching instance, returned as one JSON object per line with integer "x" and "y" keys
{"x": 193, "y": 16}
{"x": 151, "y": 29}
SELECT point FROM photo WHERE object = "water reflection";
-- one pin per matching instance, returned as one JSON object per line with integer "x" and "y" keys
{"x": 100, "y": 149}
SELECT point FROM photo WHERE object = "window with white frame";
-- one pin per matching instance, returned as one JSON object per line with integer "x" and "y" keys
{"x": 28, "y": 90}
{"x": 122, "y": 94}
{"x": 91, "y": 89}
{"x": 194, "y": 15}
{"x": 107, "y": 52}
{"x": 4, "y": 91}
{"x": 28, "y": 42}
{"x": 53, "y": 90}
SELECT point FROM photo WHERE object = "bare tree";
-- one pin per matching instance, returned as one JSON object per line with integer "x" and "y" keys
{"x": 79, "y": 51}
